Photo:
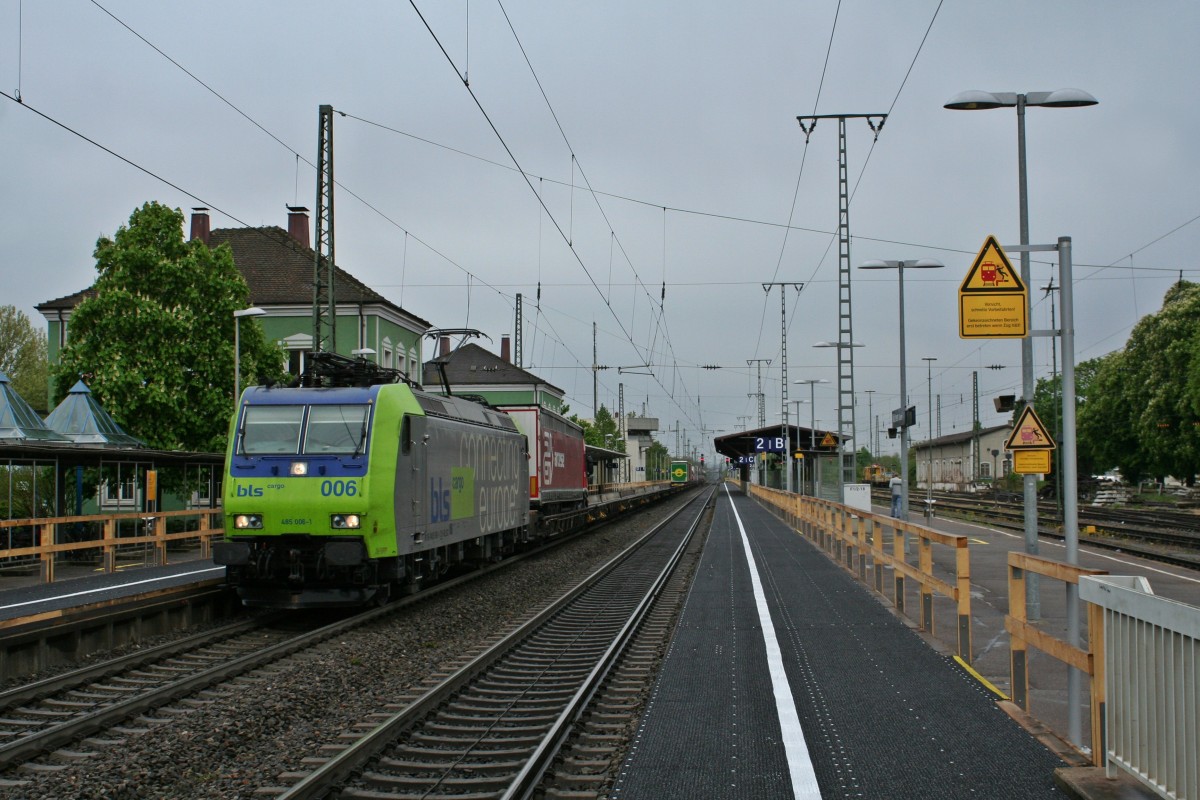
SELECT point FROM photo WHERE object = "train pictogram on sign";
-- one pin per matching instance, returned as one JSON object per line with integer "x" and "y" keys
{"x": 992, "y": 300}
{"x": 1029, "y": 433}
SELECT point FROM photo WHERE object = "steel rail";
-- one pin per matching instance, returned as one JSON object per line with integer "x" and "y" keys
{"x": 352, "y": 760}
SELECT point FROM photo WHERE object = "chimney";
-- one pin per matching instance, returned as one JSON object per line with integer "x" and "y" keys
{"x": 298, "y": 224}
{"x": 200, "y": 224}
{"x": 505, "y": 350}
{"x": 444, "y": 347}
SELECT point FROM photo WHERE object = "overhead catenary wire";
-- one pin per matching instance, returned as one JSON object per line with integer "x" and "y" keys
{"x": 526, "y": 177}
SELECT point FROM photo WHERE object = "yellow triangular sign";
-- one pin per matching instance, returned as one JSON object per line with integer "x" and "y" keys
{"x": 992, "y": 272}
{"x": 829, "y": 441}
{"x": 1029, "y": 433}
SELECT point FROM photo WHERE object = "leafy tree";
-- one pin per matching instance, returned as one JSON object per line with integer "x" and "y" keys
{"x": 596, "y": 432}
{"x": 155, "y": 343}
{"x": 862, "y": 460}
{"x": 23, "y": 356}
{"x": 1047, "y": 401}
{"x": 1105, "y": 421}
{"x": 658, "y": 462}
{"x": 1143, "y": 409}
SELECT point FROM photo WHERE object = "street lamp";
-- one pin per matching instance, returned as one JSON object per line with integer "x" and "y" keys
{"x": 841, "y": 432}
{"x": 929, "y": 475}
{"x": 253, "y": 311}
{"x": 812, "y": 427}
{"x": 900, "y": 266}
{"x": 976, "y": 100}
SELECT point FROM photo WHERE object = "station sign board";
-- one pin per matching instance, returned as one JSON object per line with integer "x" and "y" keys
{"x": 904, "y": 417}
{"x": 993, "y": 301}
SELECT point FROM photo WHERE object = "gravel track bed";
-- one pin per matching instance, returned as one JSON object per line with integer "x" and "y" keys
{"x": 250, "y": 732}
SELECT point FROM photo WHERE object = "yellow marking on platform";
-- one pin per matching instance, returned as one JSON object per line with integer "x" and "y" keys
{"x": 980, "y": 541}
{"x": 980, "y": 678}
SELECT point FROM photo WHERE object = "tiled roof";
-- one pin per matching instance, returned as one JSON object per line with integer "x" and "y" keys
{"x": 65, "y": 303}
{"x": 471, "y": 365}
{"x": 277, "y": 268}
{"x": 958, "y": 438}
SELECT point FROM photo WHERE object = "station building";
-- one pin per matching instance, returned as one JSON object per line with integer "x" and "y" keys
{"x": 277, "y": 266}
{"x": 960, "y": 461}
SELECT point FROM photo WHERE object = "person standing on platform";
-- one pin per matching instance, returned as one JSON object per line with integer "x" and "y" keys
{"x": 897, "y": 495}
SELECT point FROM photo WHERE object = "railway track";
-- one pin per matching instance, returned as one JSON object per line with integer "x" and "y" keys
{"x": 495, "y": 727}
{"x": 1168, "y": 536}
{"x": 39, "y": 718}
{"x": 62, "y": 718}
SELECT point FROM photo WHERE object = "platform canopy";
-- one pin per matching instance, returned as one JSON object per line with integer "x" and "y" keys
{"x": 749, "y": 443}
{"x": 18, "y": 421}
{"x": 81, "y": 419}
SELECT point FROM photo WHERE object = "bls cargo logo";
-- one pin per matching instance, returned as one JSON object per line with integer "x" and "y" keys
{"x": 249, "y": 491}
{"x": 455, "y": 501}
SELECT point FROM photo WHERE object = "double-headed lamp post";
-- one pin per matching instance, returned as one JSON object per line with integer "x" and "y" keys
{"x": 900, "y": 266}
{"x": 812, "y": 427}
{"x": 253, "y": 311}
{"x": 976, "y": 100}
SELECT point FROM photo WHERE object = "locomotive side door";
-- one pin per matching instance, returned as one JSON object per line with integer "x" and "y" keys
{"x": 411, "y": 470}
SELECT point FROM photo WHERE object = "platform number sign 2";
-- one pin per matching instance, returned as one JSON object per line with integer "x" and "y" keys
{"x": 769, "y": 444}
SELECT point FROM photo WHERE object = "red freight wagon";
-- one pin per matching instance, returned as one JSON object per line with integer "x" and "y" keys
{"x": 557, "y": 465}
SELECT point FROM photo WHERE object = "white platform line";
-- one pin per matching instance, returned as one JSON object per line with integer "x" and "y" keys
{"x": 804, "y": 776}
{"x": 110, "y": 588}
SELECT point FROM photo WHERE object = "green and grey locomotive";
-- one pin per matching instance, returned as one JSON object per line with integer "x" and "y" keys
{"x": 341, "y": 495}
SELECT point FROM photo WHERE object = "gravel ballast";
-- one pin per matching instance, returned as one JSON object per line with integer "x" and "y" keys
{"x": 233, "y": 741}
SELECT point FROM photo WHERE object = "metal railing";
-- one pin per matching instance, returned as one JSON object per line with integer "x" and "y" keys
{"x": 1023, "y": 635}
{"x": 1147, "y": 676}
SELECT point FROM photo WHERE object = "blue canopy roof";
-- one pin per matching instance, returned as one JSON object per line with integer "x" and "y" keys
{"x": 18, "y": 421}
{"x": 82, "y": 420}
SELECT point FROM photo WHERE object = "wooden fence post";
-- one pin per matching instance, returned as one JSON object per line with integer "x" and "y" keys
{"x": 1018, "y": 659}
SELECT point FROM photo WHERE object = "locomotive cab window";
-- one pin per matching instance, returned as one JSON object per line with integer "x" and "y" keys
{"x": 271, "y": 430}
{"x": 336, "y": 429}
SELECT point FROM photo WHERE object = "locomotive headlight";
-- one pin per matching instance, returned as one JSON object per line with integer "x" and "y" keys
{"x": 344, "y": 521}
{"x": 248, "y": 521}
{"x": 299, "y": 468}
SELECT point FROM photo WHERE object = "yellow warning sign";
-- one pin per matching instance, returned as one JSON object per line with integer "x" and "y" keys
{"x": 992, "y": 299}
{"x": 1029, "y": 433}
{"x": 829, "y": 441}
{"x": 1031, "y": 462}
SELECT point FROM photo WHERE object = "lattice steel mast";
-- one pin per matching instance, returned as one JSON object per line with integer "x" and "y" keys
{"x": 324, "y": 310}
{"x": 845, "y": 345}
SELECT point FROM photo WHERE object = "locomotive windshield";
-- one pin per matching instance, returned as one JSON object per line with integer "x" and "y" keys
{"x": 330, "y": 429}
{"x": 271, "y": 430}
{"x": 336, "y": 429}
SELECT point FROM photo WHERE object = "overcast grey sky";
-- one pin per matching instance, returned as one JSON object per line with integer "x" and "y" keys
{"x": 681, "y": 116}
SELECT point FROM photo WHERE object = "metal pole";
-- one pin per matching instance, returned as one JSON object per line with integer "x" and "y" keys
{"x": 1033, "y": 606}
{"x": 929, "y": 470}
{"x": 812, "y": 432}
{"x": 903, "y": 410}
{"x": 871, "y": 424}
{"x": 237, "y": 361}
{"x": 799, "y": 483}
{"x": 1069, "y": 477}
